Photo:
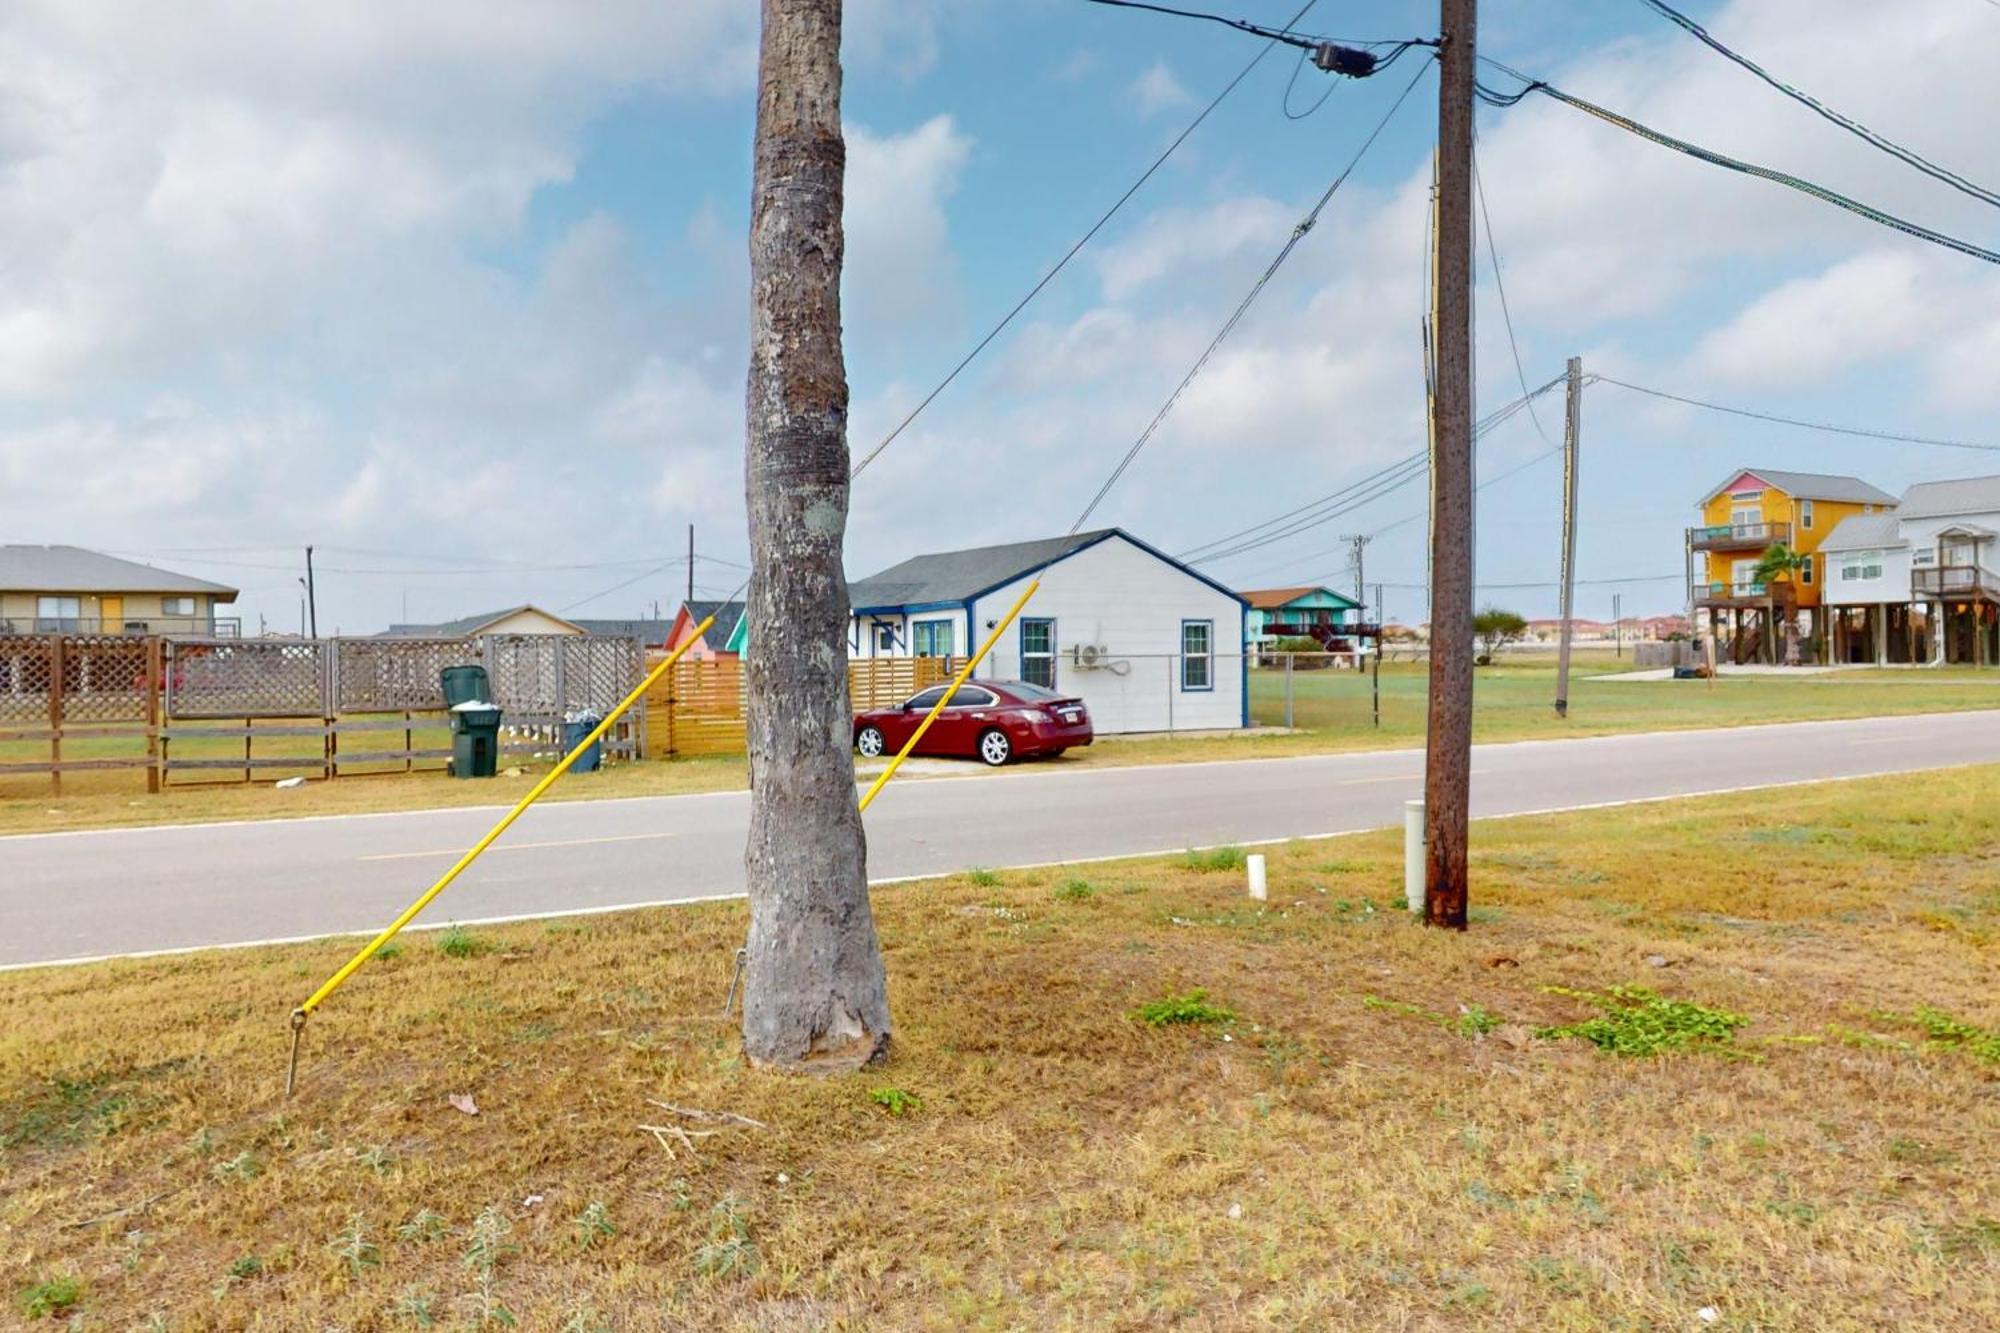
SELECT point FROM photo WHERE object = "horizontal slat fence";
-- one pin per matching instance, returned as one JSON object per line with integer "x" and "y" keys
{"x": 697, "y": 708}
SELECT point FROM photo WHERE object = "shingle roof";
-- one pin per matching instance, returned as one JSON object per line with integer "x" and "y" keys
{"x": 645, "y": 631}
{"x": 1864, "y": 532}
{"x": 1812, "y": 486}
{"x": 464, "y": 625}
{"x": 953, "y": 576}
{"x": 1269, "y": 599}
{"x": 73, "y": 569}
{"x": 1966, "y": 495}
{"x": 726, "y": 615}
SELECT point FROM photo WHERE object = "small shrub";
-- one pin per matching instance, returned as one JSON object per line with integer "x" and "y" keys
{"x": 48, "y": 1300}
{"x": 593, "y": 1224}
{"x": 243, "y": 1166}
{"x": 393, "y": 949}
{"x": 377, "y": 1157}
{"x": 1636, "y": 1021}
{"x": 1945, "y": 1030}
{"x": 1076, "y": 891}
{"x": 1213, "y": 860}
{"x": 247, "y": 1267}
{"x": 895, "y": 1100}
{"x": 423, "y": 1227}
{"x": 985, "y": 879}
{"x": 1192, "y": 1007}
{"x": 458, "y": 942}
{"x": 415, "y": 1305}
{"x": 352, "y": 1247}
{"x": 1477, "y": 1020}
{"x": 729, "y": 1252}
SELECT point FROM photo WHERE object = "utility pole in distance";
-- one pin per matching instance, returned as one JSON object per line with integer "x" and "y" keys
{"x": 1618, "y": 624}
{"x": 1448, "y": 743}
{"x": 690, "y": 595}
{"x": 1572, "y": 442}
{"x": 312, "y": 596}
{"x": 1360, "y": 542}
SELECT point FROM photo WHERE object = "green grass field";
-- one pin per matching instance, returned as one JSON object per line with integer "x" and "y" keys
{"x": 1121, "y": 1096}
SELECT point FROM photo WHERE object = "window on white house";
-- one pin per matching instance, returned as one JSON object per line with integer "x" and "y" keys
{"x": 931, "y": 638}
{"x": 1038, "y": 653}
{"x": 1197, "y": 654}
{"x": 59, "y": 615}
{"x": 1805, "y": 514}
{"x": 177, "y": 606}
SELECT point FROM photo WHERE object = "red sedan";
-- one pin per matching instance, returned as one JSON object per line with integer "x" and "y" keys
{"x": 990, "y": 720}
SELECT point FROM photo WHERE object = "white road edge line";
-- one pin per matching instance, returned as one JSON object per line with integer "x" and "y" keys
{"x": 650, "y": 904}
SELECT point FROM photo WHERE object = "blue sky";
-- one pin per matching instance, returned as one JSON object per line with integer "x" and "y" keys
{"x": 459, "y": 297}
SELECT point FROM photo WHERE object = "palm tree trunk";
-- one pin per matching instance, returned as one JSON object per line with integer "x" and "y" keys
{"x": 815, "y": 996}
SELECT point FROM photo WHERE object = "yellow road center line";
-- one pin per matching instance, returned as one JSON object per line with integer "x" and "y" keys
{"x": 519, "y": 846}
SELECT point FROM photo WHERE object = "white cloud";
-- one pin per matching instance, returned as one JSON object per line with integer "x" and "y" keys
{"x": 901, "y": 273}
{"x": 1158, "y": 90}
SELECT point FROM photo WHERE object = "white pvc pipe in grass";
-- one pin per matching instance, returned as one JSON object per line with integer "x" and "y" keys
{"x": 1413, "y": 855}
{"x": 1255, "y": 864}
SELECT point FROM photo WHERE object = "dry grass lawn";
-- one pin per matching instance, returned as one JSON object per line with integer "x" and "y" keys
{"x": 1377, "y": 1139}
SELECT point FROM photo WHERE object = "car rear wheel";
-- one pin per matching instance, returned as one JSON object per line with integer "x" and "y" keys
{"x": 869, "y": 742}
{"x": 994, "y": 748}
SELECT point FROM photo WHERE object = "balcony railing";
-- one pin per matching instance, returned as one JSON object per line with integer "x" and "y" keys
{"x": 1745, "y": 591}
{"x": 209, "y": 627}
{"x": 1739, "y": 536}
{"x": 1952, "y": 581}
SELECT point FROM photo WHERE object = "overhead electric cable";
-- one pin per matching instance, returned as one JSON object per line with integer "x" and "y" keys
{"x": 1852, "y": 126}
{"x": 1500, "y": 285}
{"x": 1861, "y": 432}
{"x": 1304, "y": 226}
{"x": 1071, "y": 253}
{"x": 1803, "y": 186}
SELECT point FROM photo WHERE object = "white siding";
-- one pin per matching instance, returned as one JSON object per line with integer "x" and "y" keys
{"x": 1121, "y": 597}
{"x": 1922, "y": 535}
{"x": 1892, "y": 586}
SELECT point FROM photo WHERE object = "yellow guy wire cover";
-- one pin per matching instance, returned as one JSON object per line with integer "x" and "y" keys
{"x": 964, "y": 673}
{"x": 333, "y": 983}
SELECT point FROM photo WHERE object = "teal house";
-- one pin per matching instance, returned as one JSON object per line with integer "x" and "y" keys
{"x": 1285, "y": 613}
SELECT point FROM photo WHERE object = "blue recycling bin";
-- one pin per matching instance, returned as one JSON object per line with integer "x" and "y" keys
{"x": 575, "y": 727}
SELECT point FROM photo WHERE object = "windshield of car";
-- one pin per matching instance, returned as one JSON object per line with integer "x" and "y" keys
{"x": 1031, "y": 693}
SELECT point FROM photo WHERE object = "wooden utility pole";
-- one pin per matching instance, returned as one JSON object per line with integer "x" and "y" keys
{"x": 1618, "y": 624}
{"x": 1448, "y": 743}
{"x": 690, "y": 595}
{"x": 815, "y": 995}
{"x": 1572, "y": 439}
{"x": 312, "y": 596}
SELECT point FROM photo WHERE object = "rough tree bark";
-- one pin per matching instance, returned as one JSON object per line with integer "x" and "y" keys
{"x": 815, "y": 997}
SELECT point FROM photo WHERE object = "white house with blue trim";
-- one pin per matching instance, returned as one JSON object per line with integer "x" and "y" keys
{"x": 1148, "y": 643}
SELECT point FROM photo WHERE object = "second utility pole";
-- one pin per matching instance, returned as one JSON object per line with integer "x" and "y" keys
{"x": 1572, "y": 442}
{"x": 1448, "y": 741}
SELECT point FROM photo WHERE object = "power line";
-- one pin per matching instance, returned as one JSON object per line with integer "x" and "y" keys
{"x": 1193, "y": 551}
{"x": 1071, "y": 253}
{"x": 1803, "y": 186}
{"x": 1854, "y": 127}
{"x": 1403, "y": 474}
{"x": 1304, "y": 226}
{"x": 623, "y": 584}
{"x": 1861, "y": 432}
{"x": 1286, "y": 34}
{"x": 1500, "y": 285}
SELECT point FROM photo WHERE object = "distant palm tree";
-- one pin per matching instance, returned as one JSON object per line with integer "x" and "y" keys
{"x": 1780, "y": 564}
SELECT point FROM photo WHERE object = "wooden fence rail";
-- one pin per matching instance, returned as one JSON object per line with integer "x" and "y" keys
{"x": 697, "y": 708}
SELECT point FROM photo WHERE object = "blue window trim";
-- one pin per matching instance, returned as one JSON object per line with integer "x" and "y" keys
{"x": 1198, "y": 689}
{"x": 1021, "y": 645}
{"x": 915, "y": 625}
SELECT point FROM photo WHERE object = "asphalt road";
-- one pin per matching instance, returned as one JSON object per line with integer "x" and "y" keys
{"x": 77, "y": 895}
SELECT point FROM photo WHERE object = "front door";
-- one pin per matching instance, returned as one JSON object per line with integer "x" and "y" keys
{"x": 111, "y": 611}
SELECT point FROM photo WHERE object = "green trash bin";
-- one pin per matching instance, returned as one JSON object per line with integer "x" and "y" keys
{"x": 475, "y": 740}
{"x": 464, "y": 685}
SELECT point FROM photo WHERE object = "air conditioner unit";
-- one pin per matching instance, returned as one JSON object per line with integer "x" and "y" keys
{"x": 1090, "y": 655}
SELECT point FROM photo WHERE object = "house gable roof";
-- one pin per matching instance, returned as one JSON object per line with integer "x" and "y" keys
{"x": 72, "y": 569}
{"x": 1806, "y": 486}
{"x": 726, "y": 614}
{"x": 960, "y": 576}
{"x": 1271, "y": 599}
{"x": 1864, "y": 532}
{"x": 1939, "y": 499}
{"x": 466, "y": 627}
